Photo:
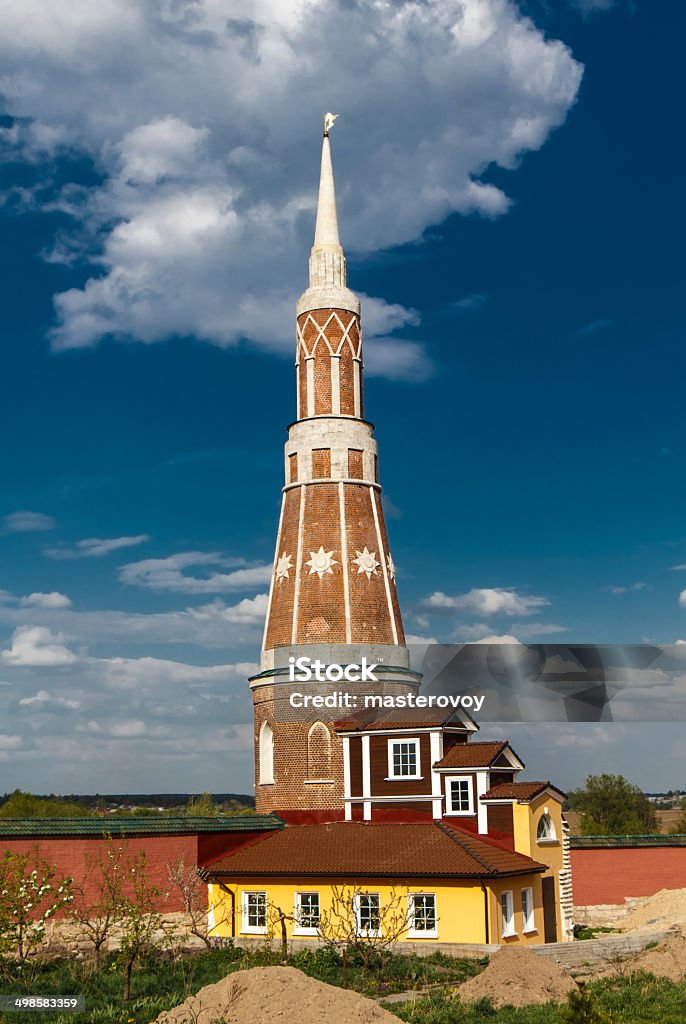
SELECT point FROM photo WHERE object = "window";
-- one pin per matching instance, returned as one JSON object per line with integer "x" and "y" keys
{"x": 403, "y": 759}
{"x": 318, "y": 753}
{"x": 266, "y": 755}
{"x": 528, "y": 910}
{"x": 507, "y": 914}
{"x": 255, "y": 912}
{"x": 458, "y": 794}
{"x": 422, "y": 915}
{"x": 307, "y": 913}
{"x": 368, "y": 914}
{"x": 545, "y": 833}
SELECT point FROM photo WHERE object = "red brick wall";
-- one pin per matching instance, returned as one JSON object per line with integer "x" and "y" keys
{"x": 609, "y": 875}
{"x": 71, "y": 857}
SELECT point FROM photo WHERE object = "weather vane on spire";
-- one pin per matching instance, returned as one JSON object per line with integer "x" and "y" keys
{"x": 329, "y": 122}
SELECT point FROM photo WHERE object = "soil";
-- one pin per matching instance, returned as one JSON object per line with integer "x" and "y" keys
{"x": 518, "y": 977}
{"x": 666, "y": 908}
{"x": 668, "y": 960}
{"x": 264, "y": 995}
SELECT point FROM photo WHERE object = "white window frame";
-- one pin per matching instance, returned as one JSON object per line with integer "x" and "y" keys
{"x": 298, "y": 928}
{"x": 266, "y": 751}
{"x": 528, "y": 922}
{"x": 552, "y": 836}
{"x": 369, "y": 933}
{"x": 421, "y": 933}
{"x": 507, "y": 918}
{"x": 449, "y": 809}
{"x": 252, "y": 929}
{"x": 392, "y": 743}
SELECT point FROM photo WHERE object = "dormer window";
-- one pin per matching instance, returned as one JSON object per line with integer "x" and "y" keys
{"x": 459, "y": 794}
{"x": 403, "y": 759}
{"x": 545, "y": 831}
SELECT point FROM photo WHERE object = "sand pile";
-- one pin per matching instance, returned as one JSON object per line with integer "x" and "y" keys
{"x": 263, "y": 995}
{"x": 666, "y": 908}
{"x": 517, "y": 977}
{"x": 668, "y": 960}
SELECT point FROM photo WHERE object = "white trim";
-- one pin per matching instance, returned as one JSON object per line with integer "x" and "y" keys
{"x": 366, "y": 780}
{"x": 346, "y": 767}
{"x": 436, "y": 753}
{"x": 528, "y": 920}
{"x": 309, "y": 370}
{"x": 481, "y": 809}
{"x": 448, "y": 797}
{"x": 426, "y": 933}
{"x": 369, "y": 933}
{"x": 551, "y": 837}
{"x": 298, "y": 558}
{"x": 507, "y": 925}
{"x": 344, "y": 561}
{"x": 392, "y": 776}
{"x": 357, "y": 380}
{"x": 384, "y": 567}
{"x": 272, "y": 582}
{"x": 335, "y": 383}
{"x": 246, "y": 928}
{"x": 297, "y": 928}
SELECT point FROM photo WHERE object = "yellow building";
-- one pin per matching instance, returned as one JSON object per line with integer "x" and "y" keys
{"x": 425, "y": 882}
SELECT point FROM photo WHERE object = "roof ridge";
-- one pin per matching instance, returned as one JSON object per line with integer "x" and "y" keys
{"x": 457, "y": 838}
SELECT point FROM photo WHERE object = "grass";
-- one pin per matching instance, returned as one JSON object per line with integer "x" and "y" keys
{"x": 162, "y": 984}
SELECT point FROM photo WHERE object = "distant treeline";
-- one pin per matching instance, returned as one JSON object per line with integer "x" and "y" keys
{"x": 31, "y": 805}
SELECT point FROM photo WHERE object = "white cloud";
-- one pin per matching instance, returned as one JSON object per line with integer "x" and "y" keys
{"x": 96, "y": 547}
{"x": 204, "y": 129}
{"x": 40, "y": 600}
{"x": 43, "y": 697}
{"x": 631, "y": 588}
{"x": 34, "y": 646}
{"x": 10, "y": 742}
{"x": 504, "y": 638}
{"x": 488, "y": 601}
{"x": 28, "y": 522}
{"x": 166, "y": 574}
{"x": 682, "y": 598}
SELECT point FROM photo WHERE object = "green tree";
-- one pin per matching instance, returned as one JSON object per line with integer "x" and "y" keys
{"x": 142, "y": 927}
{"x": 611, "y": 805}
{"x": 679, "y": 826}
{"x": 581, "y": 1008}
{"x": 26, "y": 805}
{"x": 202, "y": 806}
{"x": 29, "y": 896}
{"x": 99, "y": 901}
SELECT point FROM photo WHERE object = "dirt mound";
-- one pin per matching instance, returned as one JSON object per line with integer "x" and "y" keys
{"x": 666, "y": 908}
{"x": 265, "y": 995}
{"x": 668, "y": 960}
{"x": 517, "y": 977}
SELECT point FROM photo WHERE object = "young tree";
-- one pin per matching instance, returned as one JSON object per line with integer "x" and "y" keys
{"x": 187, "y": 884}
{"x": 202, "y": 806}
{"x": 611, "y": 805}
{"x": 142, "y": 927}
{"x": 361, "y": 923}
{"x": 29, "y": 896}
{"x": 97, "y": 915}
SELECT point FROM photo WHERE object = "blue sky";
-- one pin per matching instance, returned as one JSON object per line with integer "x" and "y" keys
{"x": 510, "y": 201}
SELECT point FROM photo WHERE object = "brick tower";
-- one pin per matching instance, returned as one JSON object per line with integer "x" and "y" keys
{"x": 333, "y": 593}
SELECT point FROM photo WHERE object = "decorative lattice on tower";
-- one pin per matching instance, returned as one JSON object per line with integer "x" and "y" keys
{"x": 333, "y": 590}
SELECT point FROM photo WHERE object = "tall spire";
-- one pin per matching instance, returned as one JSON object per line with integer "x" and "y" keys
{"x": 327, "y": 288}
{"x": 326, "y": 230}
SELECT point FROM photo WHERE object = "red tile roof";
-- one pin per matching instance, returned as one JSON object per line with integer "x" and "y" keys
{"x": 366, "y": 849}
{"x": 519, "y": 791}
{"x": 472, "y": 755}
{"x": 403, "y": 718}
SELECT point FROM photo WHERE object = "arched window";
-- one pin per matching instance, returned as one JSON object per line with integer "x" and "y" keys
{"x": 546, "y": 829}
{"x": 319, "y": 752}
{"x": 266, "y": 754}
